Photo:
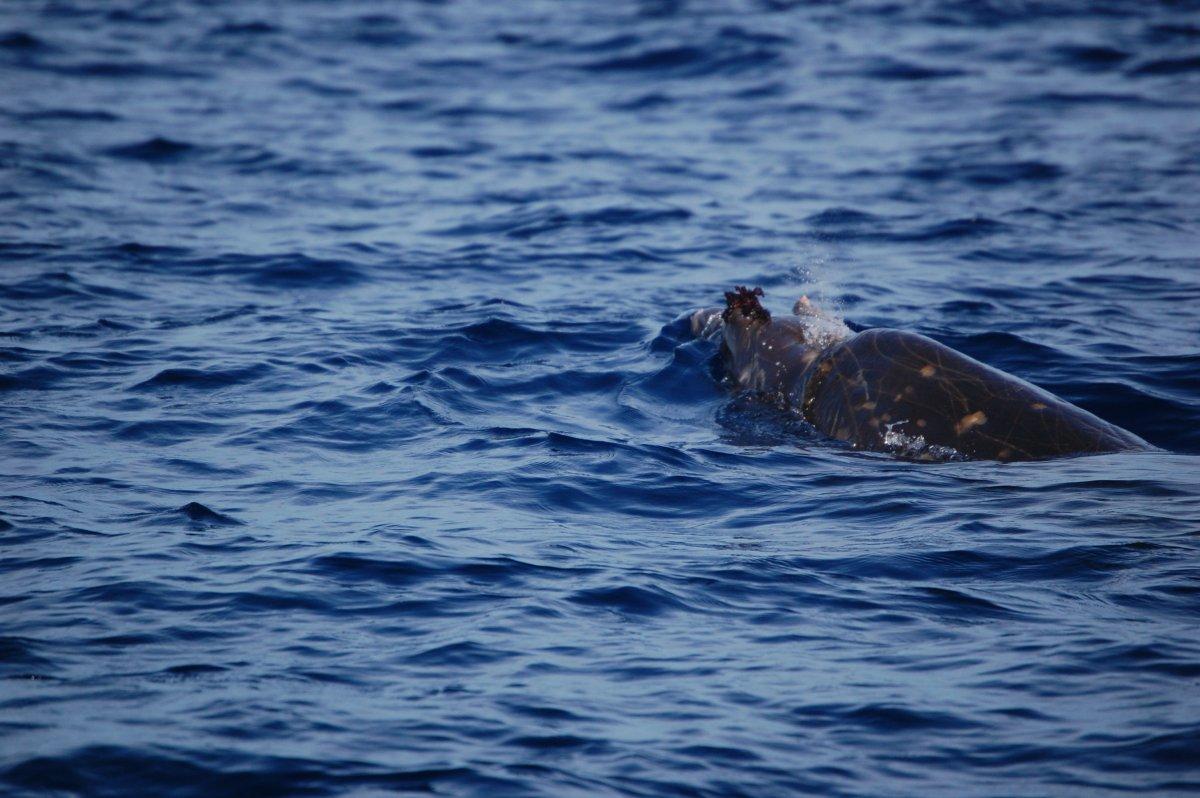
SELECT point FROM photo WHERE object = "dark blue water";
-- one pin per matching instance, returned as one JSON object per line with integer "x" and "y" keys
{"x": 350, "y": 446}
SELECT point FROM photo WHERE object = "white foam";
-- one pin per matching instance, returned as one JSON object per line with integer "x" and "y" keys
{"x": 822, "y": 329}
{"x": 915, "y": 447}
{"x": 822, "y": 332}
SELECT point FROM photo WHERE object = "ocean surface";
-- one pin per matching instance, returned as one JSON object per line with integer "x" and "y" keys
{"x": 351, "y": 442}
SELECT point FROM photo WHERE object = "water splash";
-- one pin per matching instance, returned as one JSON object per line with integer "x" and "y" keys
{"x": 914, "y": 447}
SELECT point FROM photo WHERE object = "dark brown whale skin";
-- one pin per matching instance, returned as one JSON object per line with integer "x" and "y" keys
{"x": 884, "y": 390}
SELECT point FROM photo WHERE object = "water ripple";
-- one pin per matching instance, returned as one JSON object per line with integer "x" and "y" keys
{"x": 355, "y": 440}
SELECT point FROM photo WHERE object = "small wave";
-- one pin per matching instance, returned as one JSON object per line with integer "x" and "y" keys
{"x": 193, "y": 670}
{"x": 1142, "y": 658}
{"x": 204, "y": 379}
{"x": 880, "y": 718}
{"x": 653, "y": 60}
{"x": 99, "y": 769}
{"x": 1091, "y": 57}
{"x": 989, "y": 174}
{"x": 154, "y": 150}
{"x": 1141, "y": 411}
{"x": 63, "y": 285}
{"x": 19, "y": 651}
{"x": 718, "y": 753}
{"x": 1008, "y": 351}
{"x": 166, "y": 432}
{"x": 557, "y": 742}
{"x": 35, "y": 378}
{"x": 70, "y": 115}
{"x": 449, "y": 151}
{"x": 731, "y": 50}
{"x": 350, "y": 425}
{"x": 394, "y": 573}
{"x": 139, "y": 250}
{"x": 194, "y": 511}
{"x": 1088, "y": 98}
{"x": 22, "y": 41}
{"x": 971, "y": 227}
{"x": 630, "y": 600}
{"x": 1167, "y": 66}
{"x": 321, "y": 88}
{"x": 889, "y": 69}
{"x": 251, "y": 28}
{"x": 966, "y": 307}
{"x": 1172, "y": 32}
{"x": 644, "y": 102}
{"x": 466, "y": 654}
{"x": 1083, "y": 563}
{"x": 526, "y": 224}
{"x": 405, "y": 105}
{"x": 126, "y": 70}
{"x": 297, "y": 270}
{"x": 375, "y": 30}
{"x": 842, "y": 217}
{"x": 271, "y": 601}
{"x": 541, "y": 712}
{"x": 961, "y": 604}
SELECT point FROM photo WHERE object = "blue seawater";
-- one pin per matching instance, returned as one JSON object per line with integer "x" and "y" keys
{"x": 351, "y": 444}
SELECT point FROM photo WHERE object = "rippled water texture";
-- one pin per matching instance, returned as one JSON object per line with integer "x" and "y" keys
{"x": 350, "y": 444}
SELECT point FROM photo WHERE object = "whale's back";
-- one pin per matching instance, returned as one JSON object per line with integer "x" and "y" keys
{"x": 887, "y": 389}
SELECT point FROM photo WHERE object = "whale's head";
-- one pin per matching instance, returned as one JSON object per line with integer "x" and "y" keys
{"x": 742, "y": 305}
{"x": 771, "y": 353}
{"x": 808, "y": 327}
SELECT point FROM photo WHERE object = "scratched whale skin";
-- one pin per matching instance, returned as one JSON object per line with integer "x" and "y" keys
{"x": 896, "y": 391}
